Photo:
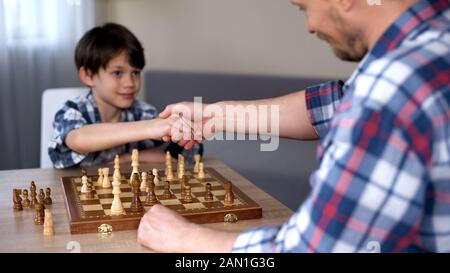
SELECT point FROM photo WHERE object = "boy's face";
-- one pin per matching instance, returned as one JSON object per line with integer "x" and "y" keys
{"x": 118, "y": 84}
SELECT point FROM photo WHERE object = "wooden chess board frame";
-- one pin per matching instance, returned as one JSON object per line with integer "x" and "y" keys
{"x": 86, "y": 215}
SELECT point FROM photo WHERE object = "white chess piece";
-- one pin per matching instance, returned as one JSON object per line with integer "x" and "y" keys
{"x": 116, "y": 206}
{"x": 180, "y": 172}
{"x": 143, "y": 186}
{"x": 197, "y": 159}
{"x": 201, "y": 171}
{"x": 134, "y": 163}
{"x": 117, "y": 167}
{"x": 100, "y": 177}
{"x": 155, "y": 174}
{"x": 48, "y": 223}
{"x": 84, "y": 181}
{"x": 106, "y": 182}
{"x": 169, "y": 174}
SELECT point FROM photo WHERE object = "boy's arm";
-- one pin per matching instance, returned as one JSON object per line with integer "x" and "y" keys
{"x": 103, "y": 136}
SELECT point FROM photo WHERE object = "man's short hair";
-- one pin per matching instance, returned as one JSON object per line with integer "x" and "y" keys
{"x": 102, "y": 43}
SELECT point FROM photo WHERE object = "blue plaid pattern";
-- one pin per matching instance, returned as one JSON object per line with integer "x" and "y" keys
{"x": 83, "y": 111}
{"x": 384, "y": 176}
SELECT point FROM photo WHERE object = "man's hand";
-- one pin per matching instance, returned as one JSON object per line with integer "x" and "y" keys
{"x": 164, "y": 230}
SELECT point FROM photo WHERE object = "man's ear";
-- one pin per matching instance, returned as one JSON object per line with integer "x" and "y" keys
{"x": 86, "y": 76}
{"x": 345, "y": 5}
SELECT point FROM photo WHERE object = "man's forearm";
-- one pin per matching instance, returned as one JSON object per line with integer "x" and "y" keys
{"x": 293, "y": 116}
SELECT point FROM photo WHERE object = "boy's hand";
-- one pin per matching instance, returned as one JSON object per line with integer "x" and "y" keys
{"x": 161, "y": 128}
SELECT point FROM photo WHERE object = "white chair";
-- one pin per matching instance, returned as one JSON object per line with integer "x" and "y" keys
{"x": 52, "y": 101}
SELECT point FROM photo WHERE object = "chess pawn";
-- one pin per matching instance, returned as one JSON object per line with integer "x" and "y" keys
{"x": 106, "y": 183}
{"x": 84, "y": 181}
{"x": 143, "y": 186}
{"x": 208, "y": 194}
{"x": 83, "y": 172}
{"x": 26, "y": 201}
{"x": 48, "y": 223}
{"x": 229, "y": 195}
{"x": 90, "y": 193}
{"x": 201, "y": 171}
{"x": 40, "y": 214}
{"x": 151, "y": 199}
{"x": 17, "y": 200}
{"x": 48, "y": 199}
{"x": 197, "y": 159}
{"x": 169, "y": 173}
{"x": 187, "y": 195}
{"x": 100, "y": 177}
{"x": 42, "y": 198}
{"x": 184, "y": 182}
{"x": 167, "y": 192}
{"x": 156, "y": 179}
{"x": 136, "y": 205}
{"x": 116, "y": 206}
{"x": 33, "y": 193}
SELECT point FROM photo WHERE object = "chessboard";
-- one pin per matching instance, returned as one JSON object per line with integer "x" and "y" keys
{"x": 88, "y": 213}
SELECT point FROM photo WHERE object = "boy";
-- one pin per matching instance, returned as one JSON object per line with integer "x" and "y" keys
{"x": 92, "y": 129}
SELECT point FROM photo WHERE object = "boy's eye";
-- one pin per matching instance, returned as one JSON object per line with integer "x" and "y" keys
{"x": 117, "y": 73}
{"x": 136, "y": 73}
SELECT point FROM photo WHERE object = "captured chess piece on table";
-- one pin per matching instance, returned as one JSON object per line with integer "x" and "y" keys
{"x": 48, "y": 198}
{"x": 17, "y": 200}
{"x": 34, "y": 200}
{"x": 26, "y": 200}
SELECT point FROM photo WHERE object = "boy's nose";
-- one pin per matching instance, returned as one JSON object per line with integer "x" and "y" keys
{"x": 129, "y": 81}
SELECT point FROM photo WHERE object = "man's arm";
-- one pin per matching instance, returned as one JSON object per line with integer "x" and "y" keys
{"x": 302, "y": 115}
{"x": 293, "y": 116}
{"x": 103, "y": 136}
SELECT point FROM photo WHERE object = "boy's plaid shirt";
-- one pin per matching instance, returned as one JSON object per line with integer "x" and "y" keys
{"x": 83, "y": 111}
{"x": 384, "y": 175}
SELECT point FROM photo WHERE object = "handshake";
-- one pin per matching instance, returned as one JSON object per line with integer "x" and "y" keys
{"x": 186, "y": 124}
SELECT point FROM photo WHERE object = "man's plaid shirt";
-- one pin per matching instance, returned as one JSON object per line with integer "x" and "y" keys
{"x": 384, "y": 175}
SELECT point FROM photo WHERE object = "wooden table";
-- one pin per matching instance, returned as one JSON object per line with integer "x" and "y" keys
{"x": 18, "y": 233}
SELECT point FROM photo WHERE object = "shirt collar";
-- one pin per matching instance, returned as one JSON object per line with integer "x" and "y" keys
{"x": 415, "y": 16}
{"x": 127, "y": 114}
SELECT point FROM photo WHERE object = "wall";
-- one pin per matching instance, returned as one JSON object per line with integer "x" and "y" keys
{"x": 264, "y": 37}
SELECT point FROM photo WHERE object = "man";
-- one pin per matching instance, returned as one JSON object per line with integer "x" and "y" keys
{"x": 384, "y": 174}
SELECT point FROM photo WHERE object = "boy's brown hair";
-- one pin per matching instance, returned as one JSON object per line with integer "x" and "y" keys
{"x": 102, "y": 43}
